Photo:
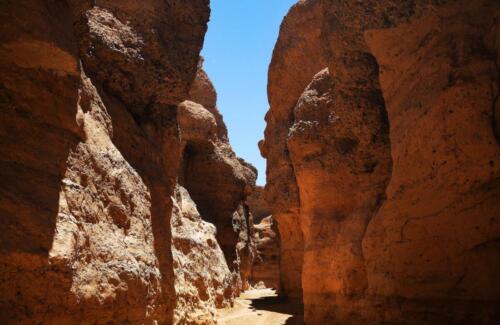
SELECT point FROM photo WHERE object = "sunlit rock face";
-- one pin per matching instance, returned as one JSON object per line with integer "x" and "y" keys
{"x": 296, "y": 59}
{"x": 382, "y": 149}
{"x": 203, "y": 281}
{"x": 217, "y": 180}
{"x": 92, "y": 144}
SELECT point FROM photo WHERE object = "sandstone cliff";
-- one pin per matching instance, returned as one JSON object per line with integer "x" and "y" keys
{"x": 92, "y": 151}
{"x": 383, "y": 160}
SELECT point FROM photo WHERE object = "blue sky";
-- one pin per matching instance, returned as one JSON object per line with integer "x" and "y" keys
{"x": 237, "y": 51}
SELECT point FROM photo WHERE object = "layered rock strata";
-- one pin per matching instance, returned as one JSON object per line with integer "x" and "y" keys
{"x": 383, "y": 153}
{"x": 91, "y": 146}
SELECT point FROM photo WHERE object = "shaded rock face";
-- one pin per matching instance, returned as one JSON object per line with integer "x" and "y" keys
{"x": 258, "y": 205}
{"x": 266, "y": 266}
{"x": 216, "y": 178}
{"x": 92, "y": 141}
{"x": 212, "y": 239}
{"x": 265, "y": 269}
{"x": 383, "y": 153}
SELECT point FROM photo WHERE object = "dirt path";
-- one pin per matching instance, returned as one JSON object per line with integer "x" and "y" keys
{"x": 261, "y": 307}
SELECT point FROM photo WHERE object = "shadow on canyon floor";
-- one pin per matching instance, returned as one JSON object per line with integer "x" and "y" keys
{"x": 263, "y": 307}
{"x": 279, "y": 305}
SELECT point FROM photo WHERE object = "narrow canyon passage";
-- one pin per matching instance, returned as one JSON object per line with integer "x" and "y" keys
{"x": 261, "y": 306}
{"x": 123, "y": 201}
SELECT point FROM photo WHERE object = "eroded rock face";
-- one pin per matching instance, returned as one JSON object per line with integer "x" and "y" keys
{"x": 265, "y": 269}
{"x": 295, "y": 61}
{"x": 382, "y": 145}
{"x": 215, "y": 182}
{"x": 266, "y": 266}
{"x": 216, "y": 178}
{"x": 92, "y": 142}
{"x": 258, "y": 205}
{"x": 203, "y": 281}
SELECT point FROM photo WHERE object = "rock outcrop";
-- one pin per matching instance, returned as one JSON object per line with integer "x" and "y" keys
{"x": 94, "y": 142}
{"x": 383, "y": 160}
{"x": 265, "y": 269}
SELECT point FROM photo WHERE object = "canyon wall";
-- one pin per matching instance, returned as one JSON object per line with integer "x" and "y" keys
{"x": 266, "y": 239}
{"x": 99, "y": 156}
{"x": 258, "y": 205}
{"x": 266, "y": 269}
{"x": 383, "y": 158}
{"x": 296, "y": 58}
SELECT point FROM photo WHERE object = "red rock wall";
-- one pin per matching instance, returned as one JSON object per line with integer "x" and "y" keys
{"x": 90, "y": 152}
{"x": 382, "y": 143}
{"x": 295, "y": 61}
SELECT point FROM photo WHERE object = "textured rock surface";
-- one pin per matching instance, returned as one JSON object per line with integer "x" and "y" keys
{"x": 218, "y": 182}
{"x": 91, "y": 146}
{"x": 203, "y": 92}
{"x": 258, "y": 205}
{"x": 203, "y": 281}
{"x": 296, "y": 59}
{"x": 382, "y": 146}
{"x": 209, "y": 163}
{"x": 266, "y": 265}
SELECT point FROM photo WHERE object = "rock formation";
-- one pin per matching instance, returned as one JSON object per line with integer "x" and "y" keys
{"x": 203, "y": 281}
{"x": 98, "y": 146}
{"x": 212, "y": 240}
{"x": 265, "y": 269}
{"x": 383, "y": 160}
{"x": 258, "y": 205}
{"x": 216, "y": 179}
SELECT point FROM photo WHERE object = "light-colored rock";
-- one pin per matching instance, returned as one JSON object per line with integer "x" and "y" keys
{"x": 217, "y": 180}
{"x": 203, "y": 281}
{"x": 202, "y": 91}
{"x": 265, "y": 269}
{"x": 213, "y": 183}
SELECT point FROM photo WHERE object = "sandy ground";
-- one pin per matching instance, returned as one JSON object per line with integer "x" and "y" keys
{"x": 261, "y": 306}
